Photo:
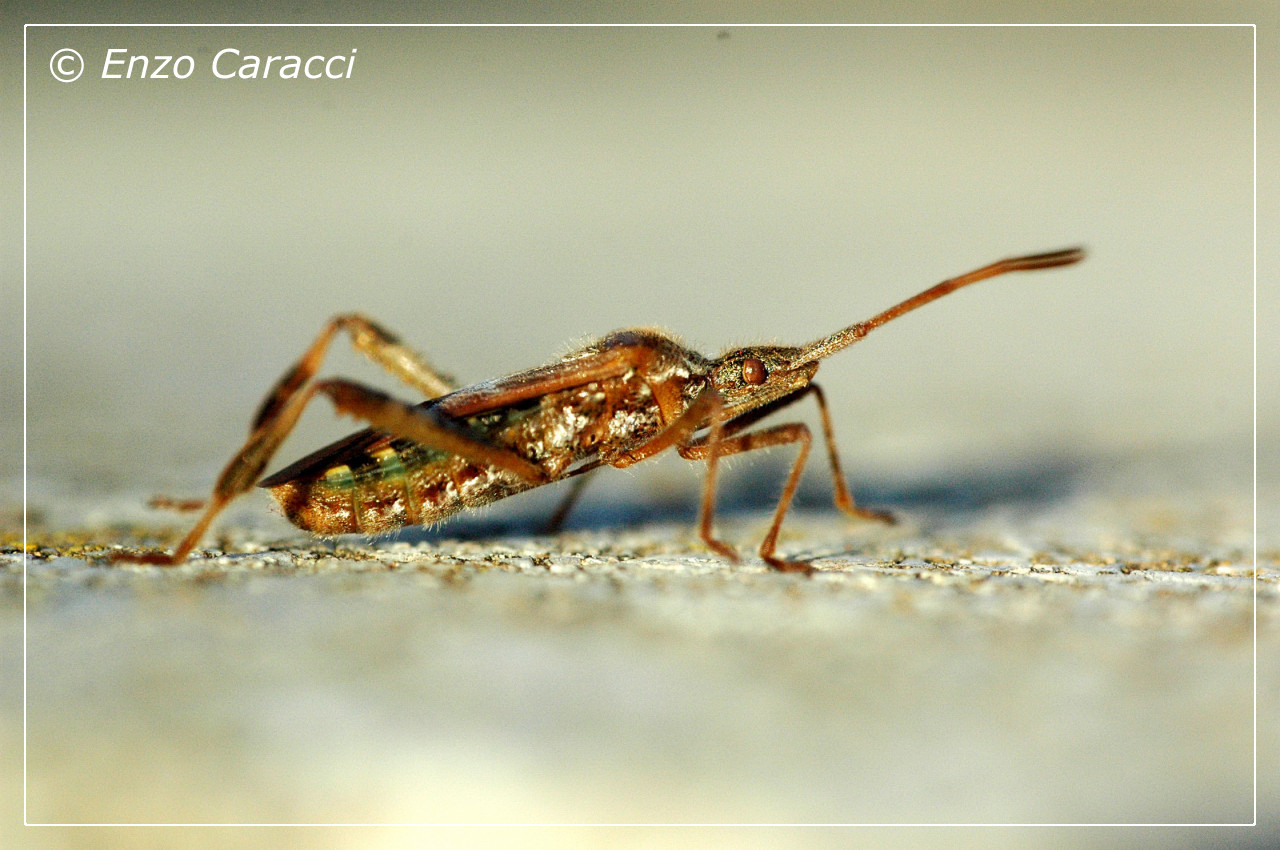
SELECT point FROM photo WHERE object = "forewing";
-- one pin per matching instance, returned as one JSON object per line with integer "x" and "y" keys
{"x": 475, "y": 400}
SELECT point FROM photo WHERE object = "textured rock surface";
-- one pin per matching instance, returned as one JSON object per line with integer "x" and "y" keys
{"x": 1081, "y": 656}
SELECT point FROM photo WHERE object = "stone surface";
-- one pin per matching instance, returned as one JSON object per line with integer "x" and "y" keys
{"x": 1081, "y": 655}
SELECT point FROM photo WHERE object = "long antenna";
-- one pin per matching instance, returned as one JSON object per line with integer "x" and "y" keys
{"x": 829, "y": 345}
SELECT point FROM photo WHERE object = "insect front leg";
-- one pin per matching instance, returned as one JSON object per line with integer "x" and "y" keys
{"x": 844, "y": 499}
{"x": 715, "y": 446}
{"x": 728, "y": 441}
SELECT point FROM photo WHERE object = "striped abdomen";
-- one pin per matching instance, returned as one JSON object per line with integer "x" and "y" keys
{"x": 370, "y": 482}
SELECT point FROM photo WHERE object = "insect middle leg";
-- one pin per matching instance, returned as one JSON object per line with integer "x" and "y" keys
{"x": 570, "y": 498}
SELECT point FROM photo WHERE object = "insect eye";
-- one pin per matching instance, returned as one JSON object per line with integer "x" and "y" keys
{"x": 753, "y": 371}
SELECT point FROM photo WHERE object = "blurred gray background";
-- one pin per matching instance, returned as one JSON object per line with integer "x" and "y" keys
{"x": 496, "y": 195}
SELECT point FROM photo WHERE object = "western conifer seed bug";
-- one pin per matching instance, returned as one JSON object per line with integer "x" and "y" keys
{"x": 615, "y": 402}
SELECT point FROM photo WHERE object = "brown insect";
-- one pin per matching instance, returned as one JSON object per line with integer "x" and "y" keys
{"x": 619, "y": 400}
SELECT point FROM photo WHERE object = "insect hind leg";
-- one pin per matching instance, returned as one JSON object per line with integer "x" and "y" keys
{"x": 370, "y": 339}
{"x": 283, "y": 405}
{"x": 421, "y": 424}
{"x": 240, "y": 474}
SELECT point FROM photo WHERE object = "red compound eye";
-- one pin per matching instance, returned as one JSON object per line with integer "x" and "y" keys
{"x": 753, "y": 371}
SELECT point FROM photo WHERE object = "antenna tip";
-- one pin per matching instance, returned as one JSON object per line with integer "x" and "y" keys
{"x": 1065, "y": 257}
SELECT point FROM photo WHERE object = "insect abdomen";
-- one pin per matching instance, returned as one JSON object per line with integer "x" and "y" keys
{"x": 394, "y": 494}
{"x": 371, "y": 490}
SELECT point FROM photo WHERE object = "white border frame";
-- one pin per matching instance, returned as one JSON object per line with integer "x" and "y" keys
{"x": 26, "y": 556}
